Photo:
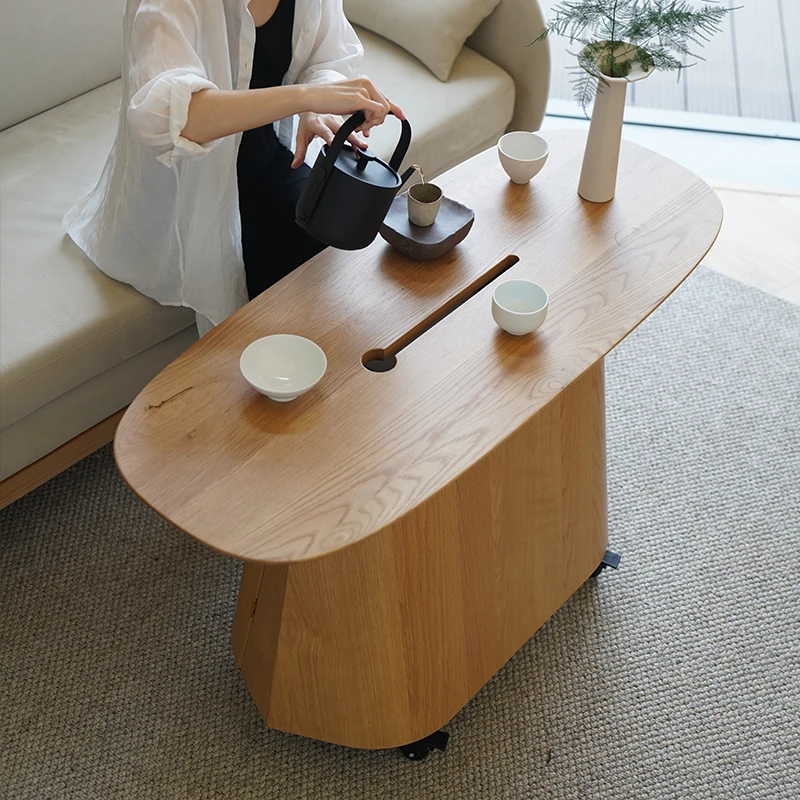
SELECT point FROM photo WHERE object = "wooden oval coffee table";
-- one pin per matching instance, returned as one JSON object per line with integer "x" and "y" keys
{"x": 405, "y": 532}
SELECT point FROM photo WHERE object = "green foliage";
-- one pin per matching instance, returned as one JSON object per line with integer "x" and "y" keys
{"x": 618, "y": 35}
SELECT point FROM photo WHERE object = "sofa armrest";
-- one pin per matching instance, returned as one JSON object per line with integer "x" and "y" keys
{"x": 502, "y": 38}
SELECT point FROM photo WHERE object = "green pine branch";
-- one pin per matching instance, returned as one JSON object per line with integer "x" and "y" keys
{"x": 665, "y": 34}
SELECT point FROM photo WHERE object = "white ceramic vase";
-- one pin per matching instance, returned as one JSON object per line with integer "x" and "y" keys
{"x": 600, "y": 159}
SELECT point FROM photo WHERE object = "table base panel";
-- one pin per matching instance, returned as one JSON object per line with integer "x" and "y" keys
{"x": 382, "y": 643}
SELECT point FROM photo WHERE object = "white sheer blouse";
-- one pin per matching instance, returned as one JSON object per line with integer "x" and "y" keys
{"x": 164, "y": 214}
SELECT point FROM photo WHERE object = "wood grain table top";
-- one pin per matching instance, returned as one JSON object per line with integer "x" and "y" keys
{"x": 283, "y": 483}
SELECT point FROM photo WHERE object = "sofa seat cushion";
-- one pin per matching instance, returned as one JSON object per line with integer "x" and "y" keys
{"x": 62, "y": 321}
{"x": 450, "y": 121}
{"x": 74, "y": 412}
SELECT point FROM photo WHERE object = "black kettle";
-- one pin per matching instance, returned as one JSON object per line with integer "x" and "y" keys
{"x": 349, "y": 191}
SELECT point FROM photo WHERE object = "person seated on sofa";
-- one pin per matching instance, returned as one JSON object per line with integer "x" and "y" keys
{"x": 185, "y": 210}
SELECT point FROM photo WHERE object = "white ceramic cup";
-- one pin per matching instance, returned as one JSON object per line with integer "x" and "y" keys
{"x": 283, "y": 366}
{"x": 519, "y": 306}
{"x": 522, "y": 155}
{"x": 424, "y": 201}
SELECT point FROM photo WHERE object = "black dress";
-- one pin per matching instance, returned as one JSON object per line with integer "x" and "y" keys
{"x": 272, "y": 243}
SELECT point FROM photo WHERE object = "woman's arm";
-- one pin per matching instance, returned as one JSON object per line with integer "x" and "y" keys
{"x": 177, "y": 112}
{"x": 164, "y": 73}
{"x": 214, "y": 113}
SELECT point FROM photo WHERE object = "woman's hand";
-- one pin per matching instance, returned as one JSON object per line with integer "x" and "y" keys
{"x": 325, "y": 126}
{"x": 347, "y": 97}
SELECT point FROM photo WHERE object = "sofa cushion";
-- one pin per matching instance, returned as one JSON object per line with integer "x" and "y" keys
{"x": 432, "y": 30}
{"x": 72, "y": 413}
{"x": 451, "y": 121}
{"x": 51, "y": 52}
{"x": 62, "y": 321}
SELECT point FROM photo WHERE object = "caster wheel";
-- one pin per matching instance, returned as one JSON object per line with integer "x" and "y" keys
{"x": 415, "y": 752}
{"x": 610, "y": 559}
{"x": 419, "y": 751}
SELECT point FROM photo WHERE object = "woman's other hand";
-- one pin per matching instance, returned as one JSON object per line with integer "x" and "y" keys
{"x": 325, "y": 126}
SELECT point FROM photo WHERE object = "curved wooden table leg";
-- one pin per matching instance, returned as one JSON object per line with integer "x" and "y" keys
{"x": 382, "y": 643}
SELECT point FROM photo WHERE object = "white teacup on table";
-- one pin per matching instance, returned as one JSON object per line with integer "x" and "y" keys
{"x": 522, "y": 154}
{"x": 283, "y": 366}
{"x": 519, "y": 306}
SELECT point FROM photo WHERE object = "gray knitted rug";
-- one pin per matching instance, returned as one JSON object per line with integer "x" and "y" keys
{"x": 677, "y": 677}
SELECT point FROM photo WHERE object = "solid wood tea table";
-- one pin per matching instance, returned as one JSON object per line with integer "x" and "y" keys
{"x": 405, "y": 532}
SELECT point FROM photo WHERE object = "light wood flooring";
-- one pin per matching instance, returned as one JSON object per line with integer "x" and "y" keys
{"x": 759, "y": 243}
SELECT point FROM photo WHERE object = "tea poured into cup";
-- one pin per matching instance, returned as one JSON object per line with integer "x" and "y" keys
{"x": 424, "y": 201}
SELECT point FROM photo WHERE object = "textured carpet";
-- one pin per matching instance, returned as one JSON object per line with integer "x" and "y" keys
{"x": 677, "y": 677}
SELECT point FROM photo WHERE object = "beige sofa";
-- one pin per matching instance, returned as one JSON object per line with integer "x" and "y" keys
{"x": 76, "y": 346}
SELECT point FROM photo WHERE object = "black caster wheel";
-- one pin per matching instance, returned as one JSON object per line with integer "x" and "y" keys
{"x": 610, "y": 559}
{"x": 419, "y": 751}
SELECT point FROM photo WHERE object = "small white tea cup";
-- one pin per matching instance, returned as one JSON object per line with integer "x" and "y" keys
{"x": 424, "y": 201}
{"x": 283, "y": 366}
{"x": 522, "y": 155}
{"x": 519, "y": 306}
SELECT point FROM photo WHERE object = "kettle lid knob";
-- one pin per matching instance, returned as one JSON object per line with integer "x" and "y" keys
{"x": 363, "y": 157}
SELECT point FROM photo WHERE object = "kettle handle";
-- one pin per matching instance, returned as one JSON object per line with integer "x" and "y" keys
{"x": 356, "y": 121}
{"x": 348, "y": 126}
{"x": 402, "y": 146}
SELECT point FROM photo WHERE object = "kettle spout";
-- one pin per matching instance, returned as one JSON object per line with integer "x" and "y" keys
{"x": 406, "y": 175}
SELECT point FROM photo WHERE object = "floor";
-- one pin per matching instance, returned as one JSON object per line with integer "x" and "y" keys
{"x": 751, "y": 68}
{"x": 760, "y": 242}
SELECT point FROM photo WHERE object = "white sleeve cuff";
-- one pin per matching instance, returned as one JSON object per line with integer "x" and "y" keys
{"x": 321, "y": 76}
{"x": 158, "y": 112}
